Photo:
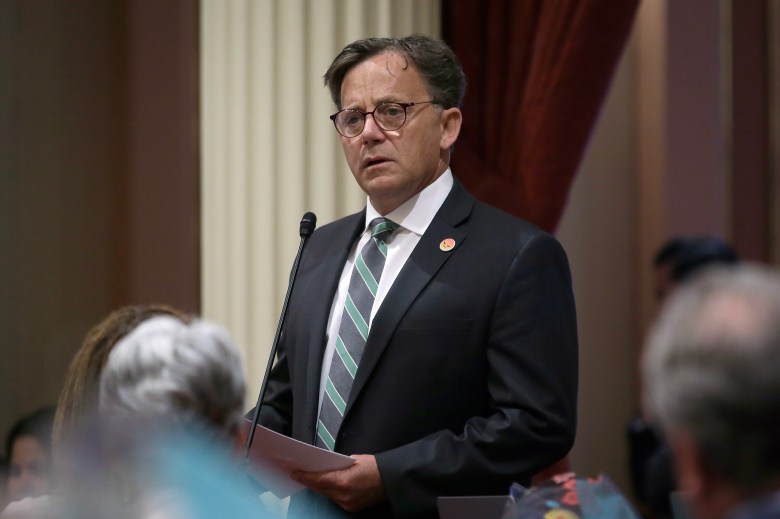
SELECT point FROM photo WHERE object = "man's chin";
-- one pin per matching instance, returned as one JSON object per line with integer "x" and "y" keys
{"x": 380, "y": 183}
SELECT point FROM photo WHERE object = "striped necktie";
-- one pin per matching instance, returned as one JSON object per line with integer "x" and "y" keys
{"x": 353, "y": 331}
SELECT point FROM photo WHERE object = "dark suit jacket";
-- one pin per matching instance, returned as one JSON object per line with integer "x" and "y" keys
{"x": 468, "y": 381}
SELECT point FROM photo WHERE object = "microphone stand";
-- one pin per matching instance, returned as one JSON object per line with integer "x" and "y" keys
{"x": 308, "y": 223}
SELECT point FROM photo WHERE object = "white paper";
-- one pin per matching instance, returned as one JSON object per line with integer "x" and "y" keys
{"x": 273, "y": 457}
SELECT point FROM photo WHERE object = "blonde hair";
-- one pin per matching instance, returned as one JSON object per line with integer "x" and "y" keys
{"x": 79, "y": 397}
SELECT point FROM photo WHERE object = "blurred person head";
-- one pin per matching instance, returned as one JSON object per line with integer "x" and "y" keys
{"x": 171, "y": 398}
{"x": 79, "y": 398}
{"x": 711, "y": 378}
{"x": 681, "y": 257}
{"x": 28, "y": 450}
{"x": 183, "y": 374}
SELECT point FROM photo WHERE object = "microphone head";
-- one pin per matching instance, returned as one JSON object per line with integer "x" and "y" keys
{"x": 308, "y": 223}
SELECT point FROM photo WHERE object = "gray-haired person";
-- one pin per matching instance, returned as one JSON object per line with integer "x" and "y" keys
{"x": 180, "y": 389}
{"x": 711, "y": 376}
{"x": 183, "y": 373}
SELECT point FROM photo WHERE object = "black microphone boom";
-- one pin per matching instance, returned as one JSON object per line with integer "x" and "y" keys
{"x": 308, "y": 223}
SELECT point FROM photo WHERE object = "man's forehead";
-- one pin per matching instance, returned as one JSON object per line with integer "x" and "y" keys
{"x": 391, "y": 68}
{"x": 395, "y": 62}
{"x": 379, "y": 78}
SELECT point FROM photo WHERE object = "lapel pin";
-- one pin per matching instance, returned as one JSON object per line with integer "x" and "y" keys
{"x": 447, "y": 244}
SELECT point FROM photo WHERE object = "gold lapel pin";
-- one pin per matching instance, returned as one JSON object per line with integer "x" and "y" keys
{"x": 447, "y": 244}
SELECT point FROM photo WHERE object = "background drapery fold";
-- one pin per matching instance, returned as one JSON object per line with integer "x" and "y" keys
{"x": 538, "y": 72}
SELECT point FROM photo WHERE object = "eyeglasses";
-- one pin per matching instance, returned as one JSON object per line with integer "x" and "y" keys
{"x": 388, "y": 116}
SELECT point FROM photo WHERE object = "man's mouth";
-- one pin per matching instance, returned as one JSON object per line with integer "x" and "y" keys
{"x": 373, "y": 162}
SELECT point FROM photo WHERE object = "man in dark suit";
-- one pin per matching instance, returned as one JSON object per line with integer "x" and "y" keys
{"x": 457, "y": 375}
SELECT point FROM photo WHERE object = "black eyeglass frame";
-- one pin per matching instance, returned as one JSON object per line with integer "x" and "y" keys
{"x": 405, "y": 106}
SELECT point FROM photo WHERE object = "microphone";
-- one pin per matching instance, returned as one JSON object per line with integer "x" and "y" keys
{"x": 308, "y": 223}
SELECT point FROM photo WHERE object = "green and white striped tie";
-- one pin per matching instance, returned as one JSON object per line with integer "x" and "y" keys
{"x": 353, "y": 331}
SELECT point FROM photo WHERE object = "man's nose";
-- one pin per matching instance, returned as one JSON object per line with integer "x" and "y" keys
{"x": 371, "y": 130}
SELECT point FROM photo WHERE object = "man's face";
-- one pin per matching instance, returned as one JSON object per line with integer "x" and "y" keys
{"x": 393, "y": 166}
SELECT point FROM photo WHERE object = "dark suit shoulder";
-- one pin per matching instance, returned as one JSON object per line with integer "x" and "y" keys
{"x": 462, "y": 208}
{"x": 499, "y": 229}
{"x": 503, "y": 220}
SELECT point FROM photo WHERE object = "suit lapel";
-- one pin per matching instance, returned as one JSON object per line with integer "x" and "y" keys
{"x": 424, "y": 262}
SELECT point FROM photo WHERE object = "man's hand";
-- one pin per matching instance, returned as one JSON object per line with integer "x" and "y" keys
{"x": 353, "y": 488}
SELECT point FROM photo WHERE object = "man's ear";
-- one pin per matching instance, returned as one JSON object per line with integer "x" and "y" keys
{"x": 451, "y": 119}
{"x": 688, "y": 464}
{"x": 708, "y": 493}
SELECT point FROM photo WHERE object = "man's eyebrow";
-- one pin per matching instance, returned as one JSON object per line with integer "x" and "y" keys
{"x": 387, "y": 99}
{"x": 381, "y": 100}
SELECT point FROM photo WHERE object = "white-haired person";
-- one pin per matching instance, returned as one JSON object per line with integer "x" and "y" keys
{"x": 181, "y": 388}
{"x": 172, "y": 373}
{"x": 711, "y": 378}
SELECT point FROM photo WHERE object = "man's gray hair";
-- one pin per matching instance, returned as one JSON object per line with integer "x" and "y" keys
{"x": 712, "y": 369}
{"x": 175, "y": 372}
{"x": 433, "y": 59}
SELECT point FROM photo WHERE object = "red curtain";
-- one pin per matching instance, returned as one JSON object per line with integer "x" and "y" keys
{"x": 538, "y": 71}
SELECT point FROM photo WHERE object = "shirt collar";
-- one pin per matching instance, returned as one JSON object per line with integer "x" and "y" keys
{"x": 417, "y": 213}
